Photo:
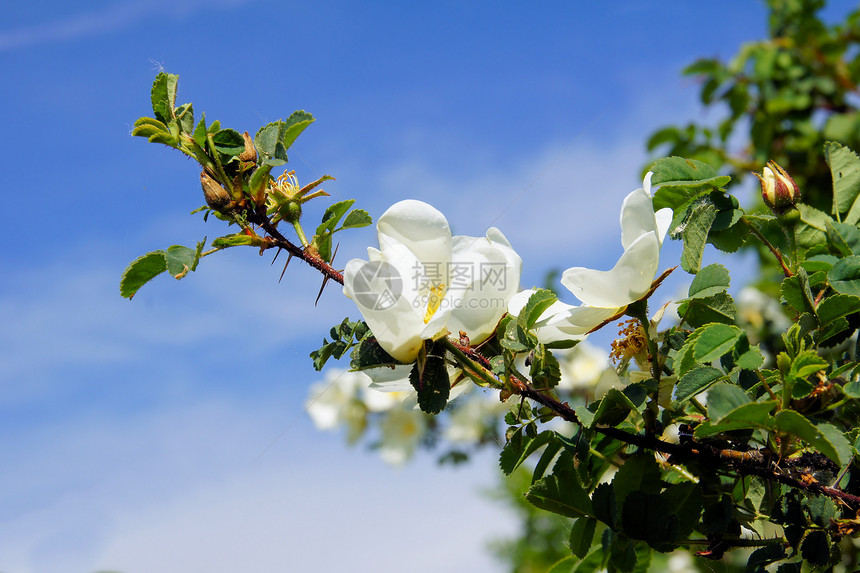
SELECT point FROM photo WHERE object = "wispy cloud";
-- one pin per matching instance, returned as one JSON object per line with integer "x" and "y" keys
{"x": 175, "y": 491}
{"x": 111, "y": 18}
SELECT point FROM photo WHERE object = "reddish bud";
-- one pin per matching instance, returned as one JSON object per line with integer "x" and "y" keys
{"x": 778, "y": 189}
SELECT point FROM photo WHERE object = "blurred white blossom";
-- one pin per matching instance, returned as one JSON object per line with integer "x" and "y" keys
{"x": 468, "y": 423}
{"x": 344, "y": 398}
{"x": 582, "y": 366}
{"x": 402, "y": 430}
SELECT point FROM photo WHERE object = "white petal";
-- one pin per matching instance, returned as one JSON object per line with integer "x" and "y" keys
{"x": 519, "y": 300}
{"x": 576, "y": 321}
{"x": 418, "y": 226}
{"x": 486, "y": 273}
{"x": 392, "y": 319}
{"x": 663, "y": 218}
{"x": 637, "y": 217}
{"x": 628, "y": 281}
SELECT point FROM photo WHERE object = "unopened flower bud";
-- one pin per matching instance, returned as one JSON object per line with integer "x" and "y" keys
{"x": 216, "y": 196}
{"x": 778, "y": 189}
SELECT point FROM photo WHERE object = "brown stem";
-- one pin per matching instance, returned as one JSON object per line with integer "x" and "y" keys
{"x": 276, "y": 239}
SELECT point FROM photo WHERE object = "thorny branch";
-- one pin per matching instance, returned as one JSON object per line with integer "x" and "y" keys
{"x": 754, "y": 462}
{"x": 277, "y": 240}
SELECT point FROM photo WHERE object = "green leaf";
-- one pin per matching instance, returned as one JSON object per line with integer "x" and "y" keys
{"x": 333, "y": 214}
{"x": 520, "y": 446}
{"x": 538, "y": 302}
{"x": 816, "y": 547}
{"x": 685, "y": 501}
{"x": 698, "y": 312}
{"x": 164, "y": 96}
{"x": 797, "y": 293}
{"x": 709, "y": 281}
{"x": 706, "y": 344}
{"x": 432, "y": 384}
{"x": 582, "y": 535}
{"x": 681, "y": 172}
{"x": 696, "y": 236}
{"x": 544, "y": 370}
{"x": 181, "y": 260}
{"x": 745, "y": 416}
{"x": 357, "y": 218}
{"x": 791, "y": 422}
{"x": 561, "y": 492}
{"x": 613, "y": 408}
{"x": 695, "y": 381}
{"x": 199, "y": 135}
{"x": 229, "y": 142}
{"x": 813, "y": 229}
{"x": 274, "y": 139}
{"x": 563, "y": 565}
{"x": 640, "y": 473}
{"x": 723, "y": 399}
{"x": 840, "y": 443}
{"x": 148, "y": 127}
{"x": 844, "y": 238}
{"x": 369, "y": 354}
{"x": 645, "y": 516}
{"x": 844, "y": 277}
{"x": 845, "y": 168}
{"x": 185, "y": 118}
{"x": 141, "y": 271}
{"x": 806, "y": 364}
{"x": 235, "y": 240}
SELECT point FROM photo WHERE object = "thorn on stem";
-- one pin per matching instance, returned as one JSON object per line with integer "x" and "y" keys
{"x": 285, "y": 266}
{"x": 322, "y": 287}
{"x": 278, "y": 252}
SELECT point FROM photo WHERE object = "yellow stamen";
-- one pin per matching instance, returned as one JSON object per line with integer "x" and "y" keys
{"x": 434, "y": 300}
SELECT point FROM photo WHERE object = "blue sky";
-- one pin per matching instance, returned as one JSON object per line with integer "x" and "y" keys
{"x": 133, "y": 431}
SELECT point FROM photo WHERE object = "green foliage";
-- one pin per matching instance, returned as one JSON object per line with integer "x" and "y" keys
{"x": 333, "y": 214}
{"x": 176, "y": 260}
{"x": 236, "y": 180}
{"x": 430, "y": 379}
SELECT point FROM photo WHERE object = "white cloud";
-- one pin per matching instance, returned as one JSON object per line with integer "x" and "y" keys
{"x": 177, "y": 490}
{"x": 111, "y": 18}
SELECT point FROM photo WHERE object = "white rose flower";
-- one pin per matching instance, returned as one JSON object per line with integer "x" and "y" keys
{"x": 422, "y": 283}
{"x": 607, "y": 293}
